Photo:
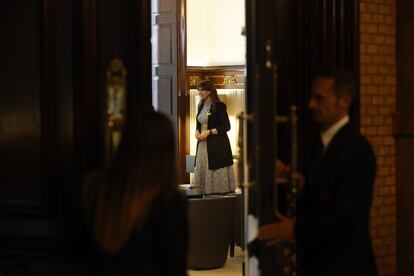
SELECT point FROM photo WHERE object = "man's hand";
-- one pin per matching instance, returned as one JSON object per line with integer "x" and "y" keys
{"x": 282, "y": 170}
{"x": 277, "y": 232}
{"x": 283, "y": 173}
{"x": 300, "y": 179}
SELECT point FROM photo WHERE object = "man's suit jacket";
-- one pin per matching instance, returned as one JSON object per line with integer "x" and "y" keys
{"x": 332, "y": 225}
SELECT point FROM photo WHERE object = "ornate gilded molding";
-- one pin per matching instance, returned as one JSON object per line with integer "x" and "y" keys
{"x": 230, "y": 80}
{"x": 194, "y": 80}
{"x": 115, "y": 89}
{"x": 223, "y": 77}
{"x": 116, "y": 92}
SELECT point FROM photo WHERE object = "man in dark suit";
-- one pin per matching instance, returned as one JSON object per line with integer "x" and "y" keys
{"x": 332, "y": 224}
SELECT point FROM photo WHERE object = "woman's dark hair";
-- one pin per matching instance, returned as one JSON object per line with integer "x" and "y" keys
{"x": 119, "y": 200}
{"x": 209, "y": 86}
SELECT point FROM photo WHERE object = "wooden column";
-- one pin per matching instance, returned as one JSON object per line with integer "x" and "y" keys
{"x": 404, "y": 132}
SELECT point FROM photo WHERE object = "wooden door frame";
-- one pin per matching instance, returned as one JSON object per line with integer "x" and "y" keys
{"x": 333, "y": 25}
{"x": 183, "y": 90}
{"x": 183, "y": 99}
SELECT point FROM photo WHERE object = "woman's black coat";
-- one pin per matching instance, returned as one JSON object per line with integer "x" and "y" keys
{"x": 218, "y": 146}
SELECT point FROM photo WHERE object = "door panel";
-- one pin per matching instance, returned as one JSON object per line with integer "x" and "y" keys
{"x": 55, "y": 55}
{"x": 20, "y": 108}
{"x": 31, "y": 136}
{"x": 164, "y": 57}
{"x": 261, "y": 131}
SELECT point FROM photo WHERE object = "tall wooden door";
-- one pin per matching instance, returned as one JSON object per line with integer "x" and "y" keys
{"x": 164, "y": 57}
{"x": 37, "y": 146}
{"x": 261, "y": 110}
{"x": 169, "y": 91}
{"x": 55, "y": 55}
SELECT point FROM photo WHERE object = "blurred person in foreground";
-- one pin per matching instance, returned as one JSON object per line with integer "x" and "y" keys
{"x": 136, "y": 217}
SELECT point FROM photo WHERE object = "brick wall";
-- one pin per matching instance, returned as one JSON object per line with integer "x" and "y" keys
{"x": 378, "y": 96}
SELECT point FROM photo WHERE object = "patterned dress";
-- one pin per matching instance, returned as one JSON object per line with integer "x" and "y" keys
{"x": 214, "y": 181}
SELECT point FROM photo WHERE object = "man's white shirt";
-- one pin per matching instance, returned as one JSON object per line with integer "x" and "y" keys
{"x": 329, "y": 134}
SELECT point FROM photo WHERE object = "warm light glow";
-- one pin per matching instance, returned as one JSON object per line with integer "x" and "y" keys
{"x": 201, "y": 60}
{"x": 214, "y": 32}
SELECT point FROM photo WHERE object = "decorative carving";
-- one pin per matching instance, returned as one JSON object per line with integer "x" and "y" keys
{"x": 116, "y": 92}
{"x": 230, "y": 80}
{"x": 223, "y": 77}
{"x": 116, "y": 80}
{"x": 194, "y": 80}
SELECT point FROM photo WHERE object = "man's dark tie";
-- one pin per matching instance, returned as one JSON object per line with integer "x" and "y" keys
{"x": 317, "y": 156}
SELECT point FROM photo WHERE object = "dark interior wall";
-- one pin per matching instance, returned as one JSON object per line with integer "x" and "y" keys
{"x": 54, "y": 58}
{"x": 300, "y": 37}
{"x": 404, "y": 130}
{"x": 20, "y": 107}
{"x": 109, "y": 30}
{"x": 312, "y": 34}
{"x": 38, "y": 125}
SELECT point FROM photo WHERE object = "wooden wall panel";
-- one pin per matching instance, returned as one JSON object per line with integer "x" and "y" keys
{"x": 31, "y": 136}
{"x": 164, "y": 55}
{"x": 404, "y": 131}
{"x": 164, "y": 58}
{"x": 55, "y": 55}
{"x": 163, "y": 6}
{"x": 20, "y": 106}
{"x": 183, "y": 102}
{"x": 165, "y": 96}
{"x": 313, "y": 34}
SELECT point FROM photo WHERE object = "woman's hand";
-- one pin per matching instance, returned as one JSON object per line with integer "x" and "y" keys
{"x": 204, "y": 135}
{"x": 197, "y": 135}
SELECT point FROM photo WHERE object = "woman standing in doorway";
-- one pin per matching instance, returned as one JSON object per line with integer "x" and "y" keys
{"x": 214, "y": 160}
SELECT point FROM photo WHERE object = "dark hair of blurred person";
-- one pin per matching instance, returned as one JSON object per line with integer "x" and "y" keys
{"x": 136, "y": 215}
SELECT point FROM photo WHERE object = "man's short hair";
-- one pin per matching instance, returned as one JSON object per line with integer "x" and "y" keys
{"x": 344, "y": 82}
